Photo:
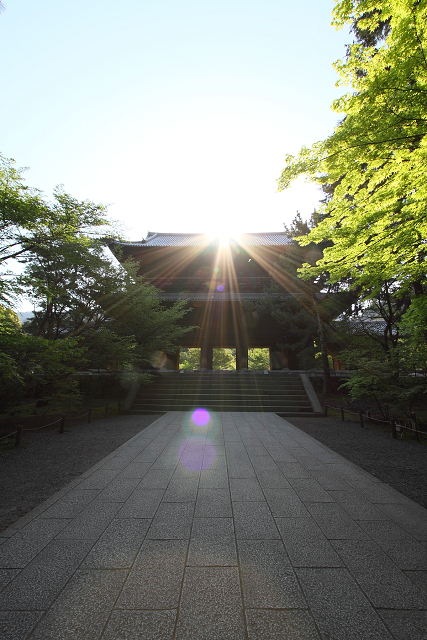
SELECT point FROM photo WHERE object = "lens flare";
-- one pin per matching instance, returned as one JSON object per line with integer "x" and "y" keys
{"x": 220, "y": 287}
{"x": 195, "y": 454}
{"x": 201, "y": 417}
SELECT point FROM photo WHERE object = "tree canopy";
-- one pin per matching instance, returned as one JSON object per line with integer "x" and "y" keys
{"x": 376, "y": 217}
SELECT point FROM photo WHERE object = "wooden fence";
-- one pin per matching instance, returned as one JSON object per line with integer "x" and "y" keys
{"x": 396, "y": 427}
{"x": 62, "y": 421}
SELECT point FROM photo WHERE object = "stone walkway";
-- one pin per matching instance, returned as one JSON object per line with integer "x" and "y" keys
{"x": 243, "y": 528}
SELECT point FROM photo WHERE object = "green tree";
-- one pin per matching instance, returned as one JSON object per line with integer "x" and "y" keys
{"x": 376, "y": 219}
{"x": 189, "y": 359}
{"x": 29, "y": 223}
{"x": 34, "y": 366}
{"x": 78, "y": 291}
{"x": 224, "y": 359}
{"x": 258, "y": 359}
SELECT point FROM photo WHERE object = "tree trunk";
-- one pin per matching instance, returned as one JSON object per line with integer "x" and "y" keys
{"x": 324, "y": 355}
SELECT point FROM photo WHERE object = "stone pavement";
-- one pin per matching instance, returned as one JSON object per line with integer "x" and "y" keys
{"x": 243, "y": 528}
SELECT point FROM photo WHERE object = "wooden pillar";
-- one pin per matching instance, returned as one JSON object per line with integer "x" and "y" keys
{"x": 173, "y": 359}
{"x": 210, "y": 357}
{"x": 241, "y": 356}
{"x": 204, "y": 357}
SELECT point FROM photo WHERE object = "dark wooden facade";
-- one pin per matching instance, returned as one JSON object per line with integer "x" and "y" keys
{"x": 221, "y": 281}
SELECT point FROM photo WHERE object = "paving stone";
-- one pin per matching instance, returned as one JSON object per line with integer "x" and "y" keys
{"x": 293, "y": 470}
{"x": 379, "y": 493}
{"x": 181, "y": 490}
{"x": 419, "y": 578}
{"x": 212, "y": 542}
{"x": 37, "y": 586}
{"x": 272, "y": 479}
{"x": 339, "y": 607}
{"x": 274, "y": 624}
{"x": 335, "y": 523}
{"x": 142, "y": 503}
{"x": 16, "y": 625}
{"x": 412, "y": 518}
{"x": 149, "y": 454}
{"x": 362, "y": 511}
{"x": 213, "y": 503}
{"x": 82, "y": 608}
{"x": 268, "y": 580}
{"x": 264, "y": 463}
{"x": 17, "y": 551}
{"x": 309, "y": 490}
{"x": 172, "y": 521}
{"x": 254, "y": 521}
{"x": 71, "y": 504}
{"x": 374, "y": 557}
{"x": 166, "y": 462}
{"x": 219, "y": 462}
{"x": 329, "y": 481}
{"x": 91, "y": 522}
{"x": 140, "y": 625}
{"x": 385, "y": 585}
{"x": 214, "y": 479}
{"x": 406, "y": 625}
{"x": 306, "y": 544}
{"x": 119, "y": 490}
{"x": 156, "y": 578}
{"x": 402, "y": 548}
{"x": 99, "y": 479}
{"x": 118, "y": 545}
{"x": 255, "y": 450}
{"x": 6, "y": 576}
{"x": 241, "y": 471}
{"x": 281, "y": 454}
{"x": 245, "y": 489}
{"x": 313, "y": 462}
{"x": 285, "y": 503}
{"x": 134, "y": 470}
{"x": 211, "y": 605}
{"x": 156, "y": 479}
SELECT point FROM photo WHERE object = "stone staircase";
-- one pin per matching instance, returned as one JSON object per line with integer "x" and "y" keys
{"x": 281, "y": 392}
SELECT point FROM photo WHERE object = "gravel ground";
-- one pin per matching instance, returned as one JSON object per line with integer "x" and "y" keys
{"x": 400, "y": 463}
{"x": 47, "y": 461}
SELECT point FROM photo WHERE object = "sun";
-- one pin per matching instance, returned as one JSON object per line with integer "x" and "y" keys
{"x": 224, "y": 236}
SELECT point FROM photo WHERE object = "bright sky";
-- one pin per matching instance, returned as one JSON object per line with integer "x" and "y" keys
{"x": 179, "y": 113}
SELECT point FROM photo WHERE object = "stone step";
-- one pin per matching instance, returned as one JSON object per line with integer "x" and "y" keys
{"x": 226, "y": 391}
{"x": 222, "y": 401}
{"x": 283, "y": 410}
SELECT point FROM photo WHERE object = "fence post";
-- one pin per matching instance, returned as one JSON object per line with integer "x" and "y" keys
{"x": 62, "y": 425}
{"x": 361, "y": 420}
{"x": 325, "y": 412}
{"x": 342, "y": 414}
{"x": 89, "y": 415}
{"x": 18, "y": 436}
{"x": 393, "y": 428}
{"x": 416, "y": 427}
{"x": 368, "y": 415}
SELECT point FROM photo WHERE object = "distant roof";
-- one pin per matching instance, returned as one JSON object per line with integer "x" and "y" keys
{"x": 275, "y": 238}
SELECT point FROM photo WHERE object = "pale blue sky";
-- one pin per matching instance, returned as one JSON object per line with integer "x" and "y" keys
{"x": 179, "y": 113}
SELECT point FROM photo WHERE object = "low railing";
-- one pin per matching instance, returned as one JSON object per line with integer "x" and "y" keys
{"x": 396, "y": 427}
{"x": 62, "y": 420}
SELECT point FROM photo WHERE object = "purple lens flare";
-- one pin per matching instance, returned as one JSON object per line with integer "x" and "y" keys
{"x": 201, "y": 417}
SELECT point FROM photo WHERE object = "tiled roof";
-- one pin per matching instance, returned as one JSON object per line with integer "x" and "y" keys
{"x": 277, "y": 238}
